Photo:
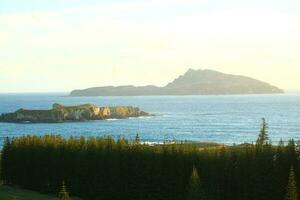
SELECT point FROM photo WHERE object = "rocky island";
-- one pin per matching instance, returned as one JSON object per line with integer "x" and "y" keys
{"x": 193, "y": 82}
{"x": 60, "y": 113}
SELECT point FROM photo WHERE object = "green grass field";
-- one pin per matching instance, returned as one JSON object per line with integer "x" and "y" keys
{"x": 8, "y": 193}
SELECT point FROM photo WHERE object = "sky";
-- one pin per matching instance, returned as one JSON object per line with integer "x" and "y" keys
{"x": 61, "y": 45}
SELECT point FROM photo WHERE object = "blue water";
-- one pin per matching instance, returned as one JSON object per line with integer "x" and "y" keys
{"x": 223, "y": 119}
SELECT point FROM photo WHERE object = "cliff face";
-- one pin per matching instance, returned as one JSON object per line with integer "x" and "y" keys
{"x": 60, "y": 113}
{"x": 193, "y": 82}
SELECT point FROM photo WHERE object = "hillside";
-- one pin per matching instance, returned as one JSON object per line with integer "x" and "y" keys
{"x": 193, "y": 82}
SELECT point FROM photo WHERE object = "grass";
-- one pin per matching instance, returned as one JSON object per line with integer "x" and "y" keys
{"x": 9, "y": 193}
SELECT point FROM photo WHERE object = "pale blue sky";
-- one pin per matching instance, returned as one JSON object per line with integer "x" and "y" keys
{"x": 60, "y": 45}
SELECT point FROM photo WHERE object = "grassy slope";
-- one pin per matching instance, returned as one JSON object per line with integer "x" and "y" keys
{"x": 8, "y": 193}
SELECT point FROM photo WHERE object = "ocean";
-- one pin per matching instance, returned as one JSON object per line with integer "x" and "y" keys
{"x": 223, "y": 119}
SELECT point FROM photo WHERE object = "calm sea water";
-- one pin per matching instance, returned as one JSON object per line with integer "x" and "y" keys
{"x": 222, "y": 119}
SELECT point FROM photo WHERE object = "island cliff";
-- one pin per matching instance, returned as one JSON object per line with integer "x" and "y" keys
{"x": 60, "y": 113}
{"x": 193, "y": 82}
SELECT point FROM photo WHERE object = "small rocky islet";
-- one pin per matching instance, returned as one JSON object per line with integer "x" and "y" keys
{"x": 60, "y": 113}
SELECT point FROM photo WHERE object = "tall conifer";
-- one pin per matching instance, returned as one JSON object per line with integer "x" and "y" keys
{"x": 263, "y": 136}
{"x": 194, "y": 189}
{"x": 63, "y": 194}
{"x": 137, "y": 139}
{"x": 292, "y": 193}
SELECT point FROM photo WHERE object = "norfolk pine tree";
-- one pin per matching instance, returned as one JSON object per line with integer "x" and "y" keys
{"x": 292, "y": 186}
{"x": 194, "y": 188}
{"x": 63, "y": 194}
{"x": 263, "y": 136}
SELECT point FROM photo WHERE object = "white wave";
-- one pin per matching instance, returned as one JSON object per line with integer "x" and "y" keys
{"x": 113, "y": 119}
{"x": 141, "y": 117}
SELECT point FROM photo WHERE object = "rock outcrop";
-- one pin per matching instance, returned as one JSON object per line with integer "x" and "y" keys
{"x": 60, "y": 113}
{"x": 193, "y": 82}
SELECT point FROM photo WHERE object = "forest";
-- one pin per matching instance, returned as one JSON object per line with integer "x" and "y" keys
{"x": 102, "y": 168}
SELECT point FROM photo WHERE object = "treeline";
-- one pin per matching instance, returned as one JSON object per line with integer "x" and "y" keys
{"x": 106, "y": 169}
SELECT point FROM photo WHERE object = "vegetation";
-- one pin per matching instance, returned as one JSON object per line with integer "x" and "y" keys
{"x": 8, "y": 193}
{"x": 263, "y": 136}
{"x": 102, "y": 168}
{"x": 63, "y": 194}
{"x": 194, "y": 189}
{"x": 292, "y": 193}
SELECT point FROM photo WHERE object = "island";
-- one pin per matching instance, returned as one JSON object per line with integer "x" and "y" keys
{"x": 60, "y": 113}
{"x": 193, "y": 82}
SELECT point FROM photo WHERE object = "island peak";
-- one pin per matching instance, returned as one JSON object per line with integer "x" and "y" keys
{"x": 193, "y": 82}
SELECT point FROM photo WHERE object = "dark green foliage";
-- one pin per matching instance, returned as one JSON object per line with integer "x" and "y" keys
{"x": 63, "y": 194}
{"x": 263, "y": 137}
{"x": 194, "y": 188}
{"x": 105, "y": 169}
{"x": 137, "y": 139}
{"x": 292, "y": 193}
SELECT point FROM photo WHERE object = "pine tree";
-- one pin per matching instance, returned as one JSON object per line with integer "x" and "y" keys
{"x": 63, "y": 194}
{"x": 292, "y": 187}
{"x": 194, "y": 189}
{"x": 281, "y": 143}
{"x": 263, "y": 136}
{"x": 137, "y": 139}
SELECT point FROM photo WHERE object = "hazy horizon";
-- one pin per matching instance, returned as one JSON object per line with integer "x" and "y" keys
{"x": 58, "y": 46}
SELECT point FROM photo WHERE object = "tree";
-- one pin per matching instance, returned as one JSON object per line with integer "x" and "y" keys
{"x": 263, "y": 136}
{"x": 194, "y": 189}
{"x": 63, "y": 194}
{"x": 292, "y": 187}
{"x": 137, "y": 139}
